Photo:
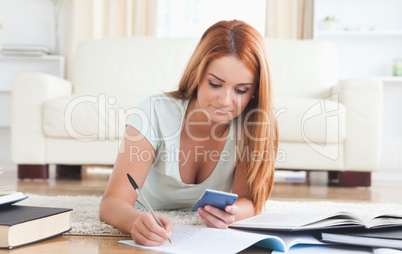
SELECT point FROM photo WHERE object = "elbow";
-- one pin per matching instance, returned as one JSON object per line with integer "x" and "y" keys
{"x": 102, "y": 211}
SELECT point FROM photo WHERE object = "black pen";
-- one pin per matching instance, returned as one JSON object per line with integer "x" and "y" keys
{"x": 145, "y": 201}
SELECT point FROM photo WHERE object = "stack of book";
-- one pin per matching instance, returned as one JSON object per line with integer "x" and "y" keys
{"x": 368, "y": 230}
{"x": 22, "y": 225}
{"x": 379, "y": 237}
{"x": 24, "y": 50}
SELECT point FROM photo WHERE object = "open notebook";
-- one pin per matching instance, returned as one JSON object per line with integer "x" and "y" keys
{"x": 299, "y": 221}
{"x": 200, "y": 239}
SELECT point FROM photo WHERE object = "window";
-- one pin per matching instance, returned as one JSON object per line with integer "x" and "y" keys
{"x": 190, "y": 18}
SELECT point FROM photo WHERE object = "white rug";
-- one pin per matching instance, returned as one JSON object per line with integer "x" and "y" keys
{"x": 85, "y": 221}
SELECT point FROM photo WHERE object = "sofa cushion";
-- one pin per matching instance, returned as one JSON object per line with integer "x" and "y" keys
{"x": 86, "y": 117}
{"x": 304, "y": 120}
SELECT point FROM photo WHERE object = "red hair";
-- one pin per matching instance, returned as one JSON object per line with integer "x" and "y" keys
{"x": 237, "y": 38}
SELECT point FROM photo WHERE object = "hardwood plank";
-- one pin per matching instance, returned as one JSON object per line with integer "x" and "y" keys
{"x": 78, "y": 244}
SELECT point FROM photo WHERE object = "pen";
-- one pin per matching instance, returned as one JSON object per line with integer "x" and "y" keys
{"x": 147, "y": 205}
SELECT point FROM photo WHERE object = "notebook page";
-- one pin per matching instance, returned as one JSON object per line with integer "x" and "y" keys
{"x": 200, "y": 239}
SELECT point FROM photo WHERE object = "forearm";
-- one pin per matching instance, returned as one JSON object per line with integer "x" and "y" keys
{"x": 246, "y": 209}
{"x": 118, "y": 213}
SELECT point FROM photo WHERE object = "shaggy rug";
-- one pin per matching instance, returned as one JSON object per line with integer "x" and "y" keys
{"x": 85, "y": 221}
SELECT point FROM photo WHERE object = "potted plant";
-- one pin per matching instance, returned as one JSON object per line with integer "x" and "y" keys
{"x": 329, "y": 23}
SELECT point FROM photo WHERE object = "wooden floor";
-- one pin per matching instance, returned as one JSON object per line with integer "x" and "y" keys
{"x": 94, "y": 183}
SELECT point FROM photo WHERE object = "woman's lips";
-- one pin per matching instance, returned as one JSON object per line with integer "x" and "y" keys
{"x": 221, "y": 110}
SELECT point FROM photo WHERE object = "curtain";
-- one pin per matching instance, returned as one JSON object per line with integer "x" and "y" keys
{"x": 94, "y": 19}
{"x": 289, "y": 19}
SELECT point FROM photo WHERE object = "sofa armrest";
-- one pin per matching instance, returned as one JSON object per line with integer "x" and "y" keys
{"x": 29, "y": 91}
{"x": 363, "y": 99}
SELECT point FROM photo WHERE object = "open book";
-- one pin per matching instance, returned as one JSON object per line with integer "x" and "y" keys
{"x": 12, "y": 198}
{"x": 200, "y": 239}
{"x": 317, "y": 221}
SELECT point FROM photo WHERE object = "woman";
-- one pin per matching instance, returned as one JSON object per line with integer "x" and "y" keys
{"x": 217, "y": 131}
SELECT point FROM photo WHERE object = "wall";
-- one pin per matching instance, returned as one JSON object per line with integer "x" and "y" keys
{"x": 368, "y": 36}
{"x": 31, "y": 22}
{"x": 26, "y": 22}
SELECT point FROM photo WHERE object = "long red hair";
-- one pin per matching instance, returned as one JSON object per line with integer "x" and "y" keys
{"x": 237, "y": 38}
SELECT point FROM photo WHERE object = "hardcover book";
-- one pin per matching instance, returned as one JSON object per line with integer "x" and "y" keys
{"x": 382, "y": 237}
{"x": 22, "y": 225}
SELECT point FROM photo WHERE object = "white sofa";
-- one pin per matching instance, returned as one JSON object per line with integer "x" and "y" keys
{"x": 324, "y": 123}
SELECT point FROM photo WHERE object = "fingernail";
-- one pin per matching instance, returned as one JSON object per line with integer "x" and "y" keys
{"x": 208, "y": 208}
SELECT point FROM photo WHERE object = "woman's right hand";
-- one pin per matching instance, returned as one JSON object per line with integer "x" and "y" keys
{"x": 146, "y": 230}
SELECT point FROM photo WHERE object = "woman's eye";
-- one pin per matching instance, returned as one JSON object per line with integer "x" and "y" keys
{"x": 213, "y": 84}
{"x": 239, "y": 91}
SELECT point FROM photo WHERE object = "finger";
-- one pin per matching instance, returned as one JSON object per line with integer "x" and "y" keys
{"x": 154, "y": 227}
{"x": 143, "y": 240}
{"x": 205, "y": 220}
{"x": 210, "y": 220}
{"x": 232, "y": 209}
{"x": 166, "y": 223}
{"x": 215, "y": 211}
{"x": 228, "y": 218}
{"x": 140, "y": 228}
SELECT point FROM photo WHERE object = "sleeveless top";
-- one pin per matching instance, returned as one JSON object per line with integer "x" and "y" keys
{"x": 160, "y": 118}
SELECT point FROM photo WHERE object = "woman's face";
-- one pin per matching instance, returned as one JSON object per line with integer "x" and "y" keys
{"x": 225, "y": 89}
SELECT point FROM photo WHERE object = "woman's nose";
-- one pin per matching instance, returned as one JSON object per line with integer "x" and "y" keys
{"x": 225, "y": 97}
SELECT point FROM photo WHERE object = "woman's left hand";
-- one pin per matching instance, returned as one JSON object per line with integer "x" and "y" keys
{"x": 216, "y": 218}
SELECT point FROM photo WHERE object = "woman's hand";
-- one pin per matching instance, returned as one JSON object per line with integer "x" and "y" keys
{"x": 216, "y": 218}
{"x": 146, "y": 230}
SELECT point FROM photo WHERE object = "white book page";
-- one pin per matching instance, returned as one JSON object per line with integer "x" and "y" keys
{"x": 12, "y": 198}
{"x": 285, "y": 220}
{"x": 291, "y": 238}
{"x": 200, "y": 239}
{"x": 372, "y": 220}
{"x": 386, "y": 251}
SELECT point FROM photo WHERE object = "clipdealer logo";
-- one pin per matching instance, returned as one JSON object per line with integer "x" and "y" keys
{"x": 331, "y": 112}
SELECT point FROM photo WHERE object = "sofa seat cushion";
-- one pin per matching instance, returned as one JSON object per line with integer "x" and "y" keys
{"x": 86, "y": 117}
{"x": 301, "y": 119}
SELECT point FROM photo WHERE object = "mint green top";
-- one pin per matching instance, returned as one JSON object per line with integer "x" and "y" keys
{"x": 160, "y": 118}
